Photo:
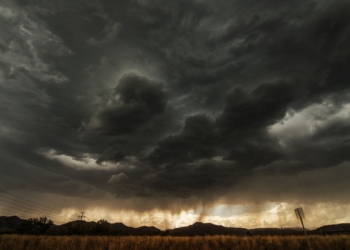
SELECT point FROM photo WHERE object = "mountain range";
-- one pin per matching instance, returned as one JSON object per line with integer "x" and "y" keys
{"x": 14, "y": 224}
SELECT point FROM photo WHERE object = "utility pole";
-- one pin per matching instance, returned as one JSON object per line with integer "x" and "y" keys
{"x": 80, "y": 217}
{"x": 282, "y": 231}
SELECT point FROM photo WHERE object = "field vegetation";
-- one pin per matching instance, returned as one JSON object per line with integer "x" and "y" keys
{"x": 36, "y": 242}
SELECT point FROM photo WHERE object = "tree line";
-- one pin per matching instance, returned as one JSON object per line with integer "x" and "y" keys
{"x": 45, "y": 226}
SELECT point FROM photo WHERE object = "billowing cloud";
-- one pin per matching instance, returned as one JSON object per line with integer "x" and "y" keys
{"x": 134, "y": 101}
{"x": 177, "y": 106}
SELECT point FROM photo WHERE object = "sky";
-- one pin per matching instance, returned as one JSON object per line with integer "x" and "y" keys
{"x": 164, "y": 113}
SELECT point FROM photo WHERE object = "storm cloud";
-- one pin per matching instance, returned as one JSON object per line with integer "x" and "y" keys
{"x": 194, "y": 101}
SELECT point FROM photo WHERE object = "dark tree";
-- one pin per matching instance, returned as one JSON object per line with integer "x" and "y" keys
{"x": 102, "y": 227}
{"x": 36, "y": 225}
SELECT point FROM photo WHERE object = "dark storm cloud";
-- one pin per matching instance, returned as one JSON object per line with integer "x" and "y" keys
{"x": 241, "y": 129}
{"x": 266, "y": 105}
{"x": 196, "y": 141}
{"x": 179, "y": 99}
{"x": 134, "y": 101}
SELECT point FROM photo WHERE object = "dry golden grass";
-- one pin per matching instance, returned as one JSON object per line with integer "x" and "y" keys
{"x": 19, "y": 242}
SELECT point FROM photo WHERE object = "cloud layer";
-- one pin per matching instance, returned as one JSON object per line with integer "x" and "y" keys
{"x": 202, "y": 101}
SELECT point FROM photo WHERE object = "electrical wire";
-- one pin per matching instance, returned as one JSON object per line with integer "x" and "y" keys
{"x": 15, "y": 206}
{"x": 6, "y": 182}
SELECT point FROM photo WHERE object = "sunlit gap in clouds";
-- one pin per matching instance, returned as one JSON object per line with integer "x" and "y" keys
{"x": 309, "y": 121}
{"x": 86, "y": 162}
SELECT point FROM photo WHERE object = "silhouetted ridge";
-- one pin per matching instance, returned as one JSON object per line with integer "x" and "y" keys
{"x": 119, "y": 226}
{"x": 334, "y": 229}
{"x": 14, "y": 224}
{"x": 9, "y": 224}
{"x": 200, "y": 228}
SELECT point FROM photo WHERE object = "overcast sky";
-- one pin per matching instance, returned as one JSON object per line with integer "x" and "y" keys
{"x": 231, "y": 111}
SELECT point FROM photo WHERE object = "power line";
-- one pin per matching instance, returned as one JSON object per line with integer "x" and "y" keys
{"x": 29, "y": 213}
{"x": 26, "y": 209}
{"x": 21, "y": 215}
{"x": 25, "y": 203}
{"x": 33, "y": 202}
{"x": 25, "y": 213}
{"x": 36, "y": 209}
{"x": 11, "y": 213}
{"x": 29, "y": 200}
{"x": 14, "y": 186}
{"x": 21, "y": 210}
{"x": 52, "y": 212}
{"x": 57, "y": 213}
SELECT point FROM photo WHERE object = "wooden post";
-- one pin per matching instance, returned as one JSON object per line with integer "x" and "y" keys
{"x": 297, "y": 211}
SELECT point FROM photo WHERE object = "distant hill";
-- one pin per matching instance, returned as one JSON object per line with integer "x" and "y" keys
{"x": 277, "y": 231}
{"x": 334, "y": 229}
{"x": 84, "y": 227}
{"x": 200, "y": 228}
{"x": 13, "y": 224}
{"x": 10, "y": 224}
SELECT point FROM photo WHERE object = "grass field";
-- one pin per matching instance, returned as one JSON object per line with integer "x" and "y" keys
{"x": 19, "y": 242}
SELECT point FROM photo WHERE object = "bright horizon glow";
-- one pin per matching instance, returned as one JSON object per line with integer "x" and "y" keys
{"x": 279, "y": 215}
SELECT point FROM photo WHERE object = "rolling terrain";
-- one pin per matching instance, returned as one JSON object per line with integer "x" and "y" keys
{"x": 14, "y": 224}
